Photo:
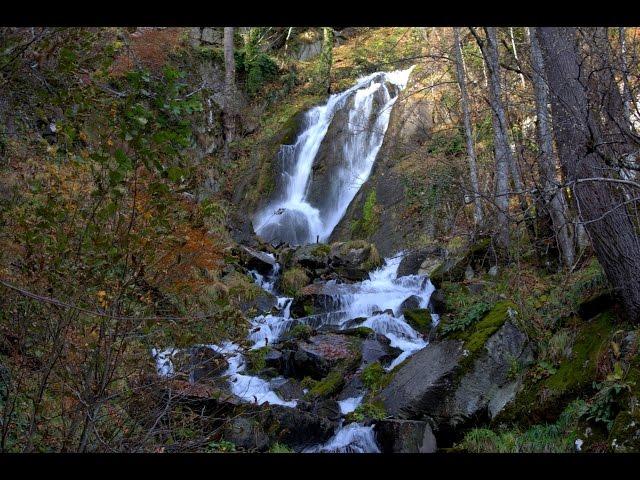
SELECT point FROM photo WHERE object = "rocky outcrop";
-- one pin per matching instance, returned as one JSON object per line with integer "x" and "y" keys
{"x": 322, "y": 354}
{"x": 467, "y": 378}
{"x": 246, "y": 433}
{"x": 256, "y": 260}
{"x": 409, "y": 129}
{"x": 199, "y": 364}
{"x": 405, "y": 436}
{"x": 354, "y": 260}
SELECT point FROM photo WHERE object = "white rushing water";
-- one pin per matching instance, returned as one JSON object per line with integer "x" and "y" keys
{"x": 292, "y": 217}
{"x": 352, "y": 438}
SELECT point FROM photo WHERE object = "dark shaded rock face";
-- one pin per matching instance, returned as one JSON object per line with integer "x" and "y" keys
{"x": 246, "y": 433}
{"x": 437, "y": 384}
{"x": 288, "y": 389}
{"x": 488, "y": 387}
{"x": 405, "y": 436}
{"x": 296, "y": 427}
{"x": 412, "y": 263}
{"x": 378, "y": 349}
{"x": 418, "y": 388}
{"x": 410, "y": 303}
{"x": 322, "y": 353}
{"x": 354, "y": 260}
{"x": 206, "y": 364}
{"x": 313, "y": 300}
{"x": 256, "y": 260}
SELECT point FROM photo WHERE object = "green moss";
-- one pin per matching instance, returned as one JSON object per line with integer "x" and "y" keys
{"x": 321, "y": 250}
{"x": 419, "y": 318}
{"x": 256, "y": 359}
{"x": 374, "y": 377}
{"x": 280, "y": 448}
{"x": 368, "y": 410}
{"x": 293, "y": 280}
{"x": 476, "y": 336}
{"x": 362, "y": 332}
{"x": 544, "y": 398}
{"x": 328, "y": 386}
{"x": 300, "y": 332}
{"x": 370, "y": 220}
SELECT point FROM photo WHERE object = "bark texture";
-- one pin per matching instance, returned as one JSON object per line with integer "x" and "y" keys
{"x": 578, "y": 127}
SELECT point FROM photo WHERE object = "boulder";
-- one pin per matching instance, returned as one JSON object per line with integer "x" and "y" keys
{"x": 314, "y": 299}
{"x": 296, "y": 427}
{"x": 261, "y": 262}
{"x": 412, "y": 263}
{"x": 437, "y": 302}
{"x": 405, "y": 436}
{"x": 419, "y": 387}
{"x": 199, "y": 364}
{"x": 411, "y": 303}
{"x": 419, "y": 319}
{"x": 313, "y": 257}
{"x": 454, "y": 267}
{"x": 453, "y": 382}
{"x": 320, "y": 354}
{"x": 378, "y": 349}
{"x": 261, "y": 304}
{"x": 354, "y": 260}
{"x": 245, "y": 433}
{"x": 287, "y": 388}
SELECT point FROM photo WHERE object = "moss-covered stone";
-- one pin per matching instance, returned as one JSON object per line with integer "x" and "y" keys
{"x": 328, "y": 386}
{"x": 419, "y": 319}
{"x": 293, "y": 280}
{"x": 256, "y": 359}
{"x": 544, "y": 399}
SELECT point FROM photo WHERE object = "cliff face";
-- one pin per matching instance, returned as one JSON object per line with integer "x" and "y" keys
{"x": 379, "y": 210}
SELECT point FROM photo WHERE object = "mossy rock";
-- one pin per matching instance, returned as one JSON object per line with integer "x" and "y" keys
{"x": 543, "y": 400}
{"x": 328, "y": 386}
{"x": 453, "y": 268}
{"x": 256, "y": 359}
{"x": 419, "y": 319}
{"x": 362, "y": 332}
{"x": 293, "y": 280}
{"x": 476, "y": 336}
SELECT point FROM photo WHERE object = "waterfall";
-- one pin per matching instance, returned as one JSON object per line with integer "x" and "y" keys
{"x": 293, "y": 216}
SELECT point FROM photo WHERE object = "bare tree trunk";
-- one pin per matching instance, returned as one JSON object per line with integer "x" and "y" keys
{"x": 229, "y": 114}
{"x": 326, "y": 59}
{"x": 504, "y": 158}
{"x": 578, "y": 131}
{"x": 468, "y": 131}
{"x": 515, "y": 54}
{"x": 552, "y": 195}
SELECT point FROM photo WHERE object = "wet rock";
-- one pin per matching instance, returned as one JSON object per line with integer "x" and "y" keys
{"x": 274, "y": 359}
{"x": 245, "y": 433}
{"x": 322, "y": 353}
{"x": 378, "y": 349}
{"x": 441, "y": 384}
{"x": 199, "y": 364}
{"x": 438, "y": 302}
{"x": 297, "y": 427}
{"x": 355, "y": 259}
{"x": 594, "y": 305}
{"x": 420, "y": 385}
{"x": 326, "y": 408}
{"x": 419, "y": 319}
{"x": 405, "y": 436}
{"x": 256, "y": 260}
{"x": 287, "y": 388}
{"x": 412, "y": 263}
{"x": 353, "y": 388}
{"x": 313, "y": 300}
{"x": 411, "y": 303}
{"x": 314, "y": 257}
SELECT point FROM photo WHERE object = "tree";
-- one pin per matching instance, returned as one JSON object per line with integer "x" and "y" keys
{"x": 552, "y": 196}
{"x": 230, "y": 101}
{"x": 504, "y": 158}
{"x": 468, "y": 131}
{"x": 326, "y": 59}
{"x": 578, "y": 128}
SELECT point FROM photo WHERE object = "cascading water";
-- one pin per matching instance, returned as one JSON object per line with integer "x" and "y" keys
{"x": 295, "y": 218}
{"x": 375, "y": 302}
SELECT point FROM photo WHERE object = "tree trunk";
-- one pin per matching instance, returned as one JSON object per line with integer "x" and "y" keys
{"x": 468, "y": 131}
{"x": 578, "y": 132}
{"x": 552, "y": 196}
{"x": 230, "y": 100}
{"x": 504, "y": 158}
{"x": 326, "y": 59}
